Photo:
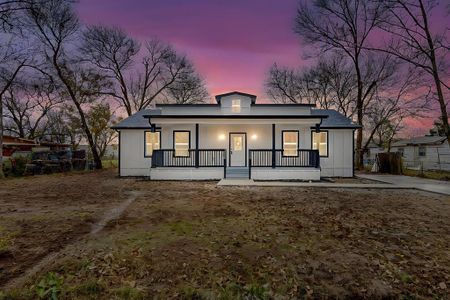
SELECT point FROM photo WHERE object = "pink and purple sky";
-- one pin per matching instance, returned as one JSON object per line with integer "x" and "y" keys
{"x": 232, "y": 43}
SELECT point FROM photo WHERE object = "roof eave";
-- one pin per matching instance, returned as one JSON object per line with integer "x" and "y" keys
{"x": 235, "y": 116}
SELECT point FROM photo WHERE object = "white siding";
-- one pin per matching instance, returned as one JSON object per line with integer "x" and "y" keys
{"x": 286, "y": 174}
{"x": 437, "y": 157}
{"x": 339, "y": 162}
{"x": 259, "y": 136}
{"x": 186, "y": 174}
{"x": 132, "y": 160}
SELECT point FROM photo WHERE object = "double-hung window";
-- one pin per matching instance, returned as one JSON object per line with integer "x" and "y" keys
{"x": 152, "y": 142}
{"x": 290, "y": 143}
{"x": 422, "y": 151}
{"x": 181, "y": 142}
{"x": 236, "y": 106}
{"x": 320, "y": 142}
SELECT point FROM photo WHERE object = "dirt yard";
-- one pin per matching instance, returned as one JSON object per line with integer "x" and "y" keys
{"x": 198, "y": 241}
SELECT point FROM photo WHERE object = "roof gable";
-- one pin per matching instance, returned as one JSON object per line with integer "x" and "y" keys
{"x": 252, "y": 97}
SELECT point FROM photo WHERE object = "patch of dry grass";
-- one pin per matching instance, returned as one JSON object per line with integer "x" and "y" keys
{"x": 190, "y": 240}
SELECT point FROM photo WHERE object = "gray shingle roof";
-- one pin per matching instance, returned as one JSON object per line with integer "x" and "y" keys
{"x": 335, "y": 119}
{"x": 420, "y": 140}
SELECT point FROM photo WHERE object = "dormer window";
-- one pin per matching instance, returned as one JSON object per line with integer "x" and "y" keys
{"x": 236, "y": 105}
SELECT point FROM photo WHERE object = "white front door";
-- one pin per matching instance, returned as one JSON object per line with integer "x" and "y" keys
{"x": 238, "y": 149}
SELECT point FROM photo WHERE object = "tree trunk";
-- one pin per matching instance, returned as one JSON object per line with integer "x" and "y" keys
{"x": 443, "y": 107}
{"x": 95, "y": 155}
{"x": 437, "y": 81}
{"x": 2, "y": 175}
{"x": 2, "y": 92}
{"x": 359, "y": 112}
{"x": 97, "y": 159}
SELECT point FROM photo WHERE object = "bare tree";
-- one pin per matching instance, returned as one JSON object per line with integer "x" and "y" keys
{"x": 388, "y": 131}
{"x": 162, "y": 67}
{"x": 9, "y": 12}
{"x": 408, "y": 23}
{"x": 11, "y": 63}
{"x": 399, "y": 99}
{"x": 341, "y": 84}
{"x": 329, "y": 84}
{"x": 188, "y": 88}
{"x": 286, "y": 85}
{"x": 56, "y": 26}
{"x": 27, "y": 106}
{"x": 343, "y": 26}
{"x": 113, "y": 52}
{"x": 64, "y": 128}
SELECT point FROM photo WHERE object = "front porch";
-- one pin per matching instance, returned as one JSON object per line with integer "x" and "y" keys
{"x": 259, "y": 164}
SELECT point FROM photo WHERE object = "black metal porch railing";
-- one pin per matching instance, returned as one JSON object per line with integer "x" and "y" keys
{"x": 304, "y": 158}
{"x": 192, "y": 158}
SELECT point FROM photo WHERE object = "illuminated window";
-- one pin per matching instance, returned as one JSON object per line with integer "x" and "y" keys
{"x": 320, "y": 142}
{"x": 290, "y": 143}
{"x": 181, "y": 140}
{"x": 152, "y": 142}
{"x": 236, "y": 105}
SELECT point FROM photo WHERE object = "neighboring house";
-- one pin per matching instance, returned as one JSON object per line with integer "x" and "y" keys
{"x": 427, "y": 152}
{"x": 236, "y": 137}
{"x": 111, "y": 151}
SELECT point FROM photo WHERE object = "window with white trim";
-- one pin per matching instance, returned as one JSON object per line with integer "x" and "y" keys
{"x": 236, "y": 105}
{"x": 290, "y": 143}
{"x": 320, "y": 142}
{"x": 181, "y": 140}
{"x": 152, "y": 142}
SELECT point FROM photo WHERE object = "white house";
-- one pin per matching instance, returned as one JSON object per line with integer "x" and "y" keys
{"x": 236, "y": 137}
{"x": 430, "y": 152}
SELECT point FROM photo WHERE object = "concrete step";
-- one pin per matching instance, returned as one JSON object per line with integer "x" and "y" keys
{"x": 237, "y": 172}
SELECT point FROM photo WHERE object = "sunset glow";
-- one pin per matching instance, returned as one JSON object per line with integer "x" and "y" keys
{"x": 231, "y": 43}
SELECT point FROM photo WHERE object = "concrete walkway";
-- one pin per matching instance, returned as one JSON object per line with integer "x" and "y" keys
{"x": 389, "y": 182}
{"x": 423, "y": 184}
{"x": 247, "y": 182}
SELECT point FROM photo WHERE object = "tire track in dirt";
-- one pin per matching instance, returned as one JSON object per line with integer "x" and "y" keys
{"x": 111, "y": 215}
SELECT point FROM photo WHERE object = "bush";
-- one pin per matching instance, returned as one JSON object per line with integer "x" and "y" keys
{"x": 7, "y": 168}
{"x": 15, "y": 166}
